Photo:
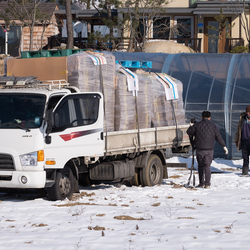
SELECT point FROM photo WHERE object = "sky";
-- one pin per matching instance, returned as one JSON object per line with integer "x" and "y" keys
{"x": 168, "y": 216}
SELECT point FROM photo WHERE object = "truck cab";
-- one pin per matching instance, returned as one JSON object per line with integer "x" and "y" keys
{"x": 34, "y": 145}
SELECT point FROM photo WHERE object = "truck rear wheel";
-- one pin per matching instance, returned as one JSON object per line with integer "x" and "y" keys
{"x": 152, "y": 173}
{"x": 63, "y": 186}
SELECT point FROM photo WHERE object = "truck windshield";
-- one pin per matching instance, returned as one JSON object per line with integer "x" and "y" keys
{"x": 21, "y": 110}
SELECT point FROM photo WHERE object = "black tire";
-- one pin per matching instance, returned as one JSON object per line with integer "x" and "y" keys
{"x": 135, "y": 181}
{"x": 152, "y": 173}
{"x": 63, "y": 186}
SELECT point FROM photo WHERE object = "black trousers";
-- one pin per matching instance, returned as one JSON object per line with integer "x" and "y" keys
{"x": 204, "y": 159}
{"x": 245, "y": 155}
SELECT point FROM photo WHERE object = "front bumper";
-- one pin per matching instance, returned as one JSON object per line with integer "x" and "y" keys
{"x": 15, "y": 179}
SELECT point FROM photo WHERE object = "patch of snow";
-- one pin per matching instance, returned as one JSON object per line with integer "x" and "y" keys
{"x": 168, "y": 216}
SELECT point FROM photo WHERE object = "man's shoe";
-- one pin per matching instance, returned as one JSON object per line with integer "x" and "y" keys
{"x": 200, "y": 186}
{"x": 207, "y": 186}
{"x": 244, "y": 175}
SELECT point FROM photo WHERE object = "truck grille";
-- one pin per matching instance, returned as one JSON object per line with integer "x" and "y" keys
{"x": 6, "y": 162}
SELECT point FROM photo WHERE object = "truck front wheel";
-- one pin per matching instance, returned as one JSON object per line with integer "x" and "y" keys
{"x": 152, "y": 173}
{"x": 63, "y": 186}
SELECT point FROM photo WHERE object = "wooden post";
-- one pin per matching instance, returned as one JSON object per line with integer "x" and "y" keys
{"x": 195, "y": 32}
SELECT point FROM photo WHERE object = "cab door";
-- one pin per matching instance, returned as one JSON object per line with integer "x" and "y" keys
{"x": 77, "y": 129}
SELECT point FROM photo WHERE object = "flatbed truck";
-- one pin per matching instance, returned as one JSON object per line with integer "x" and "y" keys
{"x": 53, "y": 137}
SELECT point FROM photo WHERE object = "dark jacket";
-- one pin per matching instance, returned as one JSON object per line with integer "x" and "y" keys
{"x": 205, "y": 133}
{"x": 237, "y": 138}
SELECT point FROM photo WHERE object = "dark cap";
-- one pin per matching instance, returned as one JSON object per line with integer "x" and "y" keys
{"x": 206, "y": 114}
{"x": 248, "y": 108}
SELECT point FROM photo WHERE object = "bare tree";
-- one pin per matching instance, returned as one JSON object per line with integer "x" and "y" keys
{"x": 239, "y": 9}
{"x": 25, "y": 13}
{"x": 45, "y": 22}
{"x": 70, "y": 34}
{"x": 140, "y": 16}
{"x": 104, "y": 7}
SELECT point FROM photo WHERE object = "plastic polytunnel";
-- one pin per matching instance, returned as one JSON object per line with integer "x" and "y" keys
{"x": 219, "y": 83}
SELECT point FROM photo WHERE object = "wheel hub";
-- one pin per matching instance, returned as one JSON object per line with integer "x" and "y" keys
{"x": 65, "y": 185}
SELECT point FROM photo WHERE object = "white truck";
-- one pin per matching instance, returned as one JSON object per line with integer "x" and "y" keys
{"x": 53, "y": 138}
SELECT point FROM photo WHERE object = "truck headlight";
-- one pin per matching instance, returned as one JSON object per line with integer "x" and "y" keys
{"x": 31, "y": 159}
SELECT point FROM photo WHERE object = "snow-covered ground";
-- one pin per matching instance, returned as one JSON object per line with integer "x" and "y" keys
{"x": 168, "y": 216}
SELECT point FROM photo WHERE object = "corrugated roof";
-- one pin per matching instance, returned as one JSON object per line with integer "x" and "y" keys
{"x": 47, "y": 8}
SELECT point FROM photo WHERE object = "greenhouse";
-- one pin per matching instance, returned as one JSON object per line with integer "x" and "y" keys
{"x": 219, "y": 83}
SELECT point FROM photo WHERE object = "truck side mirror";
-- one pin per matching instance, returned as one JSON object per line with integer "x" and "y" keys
{"x": 49, "y": 120}
{"x": 47, "y": 139}
{"x": 50, "y": 124}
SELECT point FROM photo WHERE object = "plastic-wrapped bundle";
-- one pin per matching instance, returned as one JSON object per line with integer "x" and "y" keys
{"x": 161, "y": 110}
{"x": 84, "y": 73}
{"x": 127, "y": 114}
{"x": 163, "y": 113}
{"x": 144, "y": 102}
{"x": 176, "y": 106}
{"x": 125, "y": 111}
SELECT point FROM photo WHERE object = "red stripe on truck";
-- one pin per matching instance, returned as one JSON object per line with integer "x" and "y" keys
{"x": 73, "y": 135}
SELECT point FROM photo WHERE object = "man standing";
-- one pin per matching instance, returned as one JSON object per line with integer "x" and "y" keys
{"x": 205, "y": 133}
{"x": 242, "y": 139}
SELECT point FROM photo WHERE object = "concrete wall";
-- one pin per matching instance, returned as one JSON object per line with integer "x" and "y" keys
{"x": 178, "y": 3}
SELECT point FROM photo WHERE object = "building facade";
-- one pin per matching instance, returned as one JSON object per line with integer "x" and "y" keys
{"x": 209, "y": 26}
{"x": 189, "y": 23}
{"x": 15, "y": 36}
{"x": 193, "y": 23}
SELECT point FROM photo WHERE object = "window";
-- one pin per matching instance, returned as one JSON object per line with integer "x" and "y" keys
{"x": 21, "y": 110}
{"x": 184, "y": 26}
{"x": 53, "y": 101}
{"x": 76, "y": 110}
{"x": 13, "y": 36}
{"x": 161, "y": 28}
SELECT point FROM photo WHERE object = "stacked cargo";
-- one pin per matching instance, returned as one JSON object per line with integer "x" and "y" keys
{"x": 163, "y": 115}
{"x": 125, "y": 110}
{"x": 165, "y": 110}
{"x": 87, "y": 70}
{"x": 132, "y": 101}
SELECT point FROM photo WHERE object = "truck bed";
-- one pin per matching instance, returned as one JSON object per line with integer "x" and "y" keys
{"x": 122, "y": 142}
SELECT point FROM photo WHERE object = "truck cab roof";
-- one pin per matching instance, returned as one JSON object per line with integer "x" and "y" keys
{"x": 44, "y": 91}
{"x": 47, "y": 88}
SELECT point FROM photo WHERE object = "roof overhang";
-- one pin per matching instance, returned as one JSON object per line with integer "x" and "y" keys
{"x": 163, "y": 11}
{"x": 199, "y": 8}
{"x": 89, "y": 13}
{"x": 214, "y": 7}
